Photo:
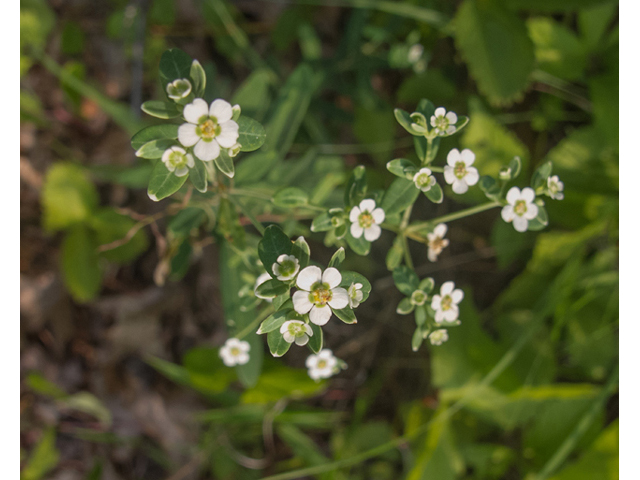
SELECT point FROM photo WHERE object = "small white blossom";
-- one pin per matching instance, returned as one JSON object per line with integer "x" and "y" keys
{"x": 322, "y": 365}
{"x": 521, "y": 208}
{"x": 286, "y": 267}
{"x": 235, "y": 352}
{"x": 319, "y": 293}
{"x": 437, "y": 242}
{"x": 366, "y": 218}
{"x": 446, "y": 304}
{"x": 438, "y": 337}
{"x": 208, "y": 128}
{"x": 179, "y": 89}
{"x": 458, "y": 173}
{"x": 443, "y": 122}
{"x": 177, "y": 160}
{"x": 424, "y": 180}
{"x": 415, "y": 52}
{"x": 259, "y": 281}
{"x": 355, "y": 294}
{"x": 296, "y": 331}
{"x": 555, "y": 188}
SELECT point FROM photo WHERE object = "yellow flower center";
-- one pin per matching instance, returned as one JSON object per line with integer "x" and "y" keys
{"x": 322, "y": 363}
{"x": 321, "y": 294}
{"x": 460, "y": 170}
{"x": 235, "y": 351}
{"x": 365, "y": 219}
{"x": 520, "y": 207}
{"x": 446, "y": 302}
{"x": 209, "y": 129}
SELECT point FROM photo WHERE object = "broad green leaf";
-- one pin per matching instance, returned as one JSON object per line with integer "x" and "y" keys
{"x": 278, "y": 346}
{"x": 225, "y": 163}
{"x": 405, "y": 307}
{"x": 44, "y": 457}
{"x": 163, "y": 182}
{"x": 395, "y": 253}
{"x": 496, "y": 46}
{"x": 400, "y": 195}
{"x": 253, "y": 95}
{"x": 154, "y": 149}
{"x": 274, "y": 321}
{"x": 68, "y": 197}
{"x": 301, "y": 251}
{"x": 160, "y": 109}
{"x": 350, "y": 278}
{"x": 416, "y": 339}
{"x": 110, "y": 226}
{"x": 356, "y": 187}
{"x": 155, "y": 132}
{"x": 435, "y": 193}
{"x": 198, "y": 175}
{"x": 206, "y": 371}
{"x": 291, "y": 197}
{"x": 541, "y": 220}
{"x": 359, "y": 246}
{"x": 515, "y": 166}
{"x": 337, "y": 258}
{"x": 279, "y": 381}
{"x": 346, "y": 315}
{"x": 403, "y": 168}
{"x": 420, "y": 315}
{"x": 271, "y": 288}
{"x": 490, "y": 187}
{"x": 80, "y": 267}
{"x": 273, "y": 244}
{"x": 426, "y": 285}
{"x": 552, "y": 5}
{"x": 426, "y": 108}
{"x": 186, "y": 220}
{"x": 174, "y": 64}
{"x": 251, "y": 134}
{"x": 404, "y": 119}
{"x": 541, "y": 174}
{"x": 199, "y": 79}
{"x": 41, "y": 385}
{"x": 316, "y": 340}
{"x": 406, "y": 279}
{"x": 322, "y": 223}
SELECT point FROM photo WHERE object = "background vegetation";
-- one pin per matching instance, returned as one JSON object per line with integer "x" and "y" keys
{"x": 120, "y": 373}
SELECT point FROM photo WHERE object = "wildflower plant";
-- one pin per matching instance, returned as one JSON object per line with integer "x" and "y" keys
{"x": 271, "y": 284}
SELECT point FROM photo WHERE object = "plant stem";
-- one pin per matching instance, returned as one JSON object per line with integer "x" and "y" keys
{"x": 249, "y": 328}
{"x": 454, "y": 216}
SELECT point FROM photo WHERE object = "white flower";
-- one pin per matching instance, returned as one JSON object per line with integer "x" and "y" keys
{"x": 322, "y": 365}
{"x": 235, "y": 352}
{"x": 415, "y": 52}
{"x": 443, "y": 122}
{"x": 438, "y": 337}
{"x": 555, "y": 187}
{"x": 179, "y": 89}
{"x": 366, "y": 218}
{"x": 458, "y": 172}
{"x": 208, "y": 128}
{"x": 446, "y": 304}
{"x": 436, "y": 241}
{"x": 177, "y": 160}
{"x": 296, "y": 331}
{"x": 355, "y": 294}
{"x": 319, "y": 293}
{"x": 286, "y": 267}
{"x": 424, "y": 180}
{"x": 521, "y": 208}
{"x": 259, "y": 281}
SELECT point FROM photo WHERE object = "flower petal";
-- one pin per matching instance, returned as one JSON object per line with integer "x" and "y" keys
{"x": 332, "y": 277}
{"x": 440, "y": 230}
{"x": 288, "y": 337}
{"x": 447, "y": 288}
{"x": 472, "y": 176}
{"x": 440, "y": 112}
{"x": 436, "y": 302}
{"x": 459, "y": 187}
{"x": 302, "y": 340}
{"x": 528, "y": 194}
{"x": 451, "y": 314}
{"x": 181, "y": 172}
{"x": 195, "y": 110}
{"x": 453, "y": 156}
{"x": 320, "y": 315}
{"x": 190, "y": 162}
{"x": 513, "y": 195}
{"x": 354, "y": 214}
{"x": 207, "y": 151}
{"x": 368, "y": 205}
{"x": 221, "y": 109}
{"x": 301, "y": 303}
{"x": 449, "y": 176}
{"x": 308, "y": 276}
{"x": 356, "y": 230}
{"x": 228, "y": 135}
{"x": 452, "y": 117}
{"x": 378, "y": 215}
{"x": 372, "y": 233}
{"x": 311, "y": 361}
{"x": 242, "y": 358}
{"x": 187, "y": 134}
{"x": 340, "y": 298}
{"x": 507, "y": 213}
{"x": 457, "y": 295}
{"x": 520, "y": 224}
{"x": 532, "y": 211}
{"x": 468, "y": 157}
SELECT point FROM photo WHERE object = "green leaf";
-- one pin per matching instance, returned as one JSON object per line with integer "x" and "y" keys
{"x": 110, "y": 226}
{"x": 426, "y": 285}
{"x": 402, "y": 168}
{"x": 346, "y": 315}
{"x": 199, "y": 79}
{"x": 349, "y": 278}
{"x": 404, "y": 119}
{"x": 206, "y": 371}
{"x": 395, "y": 253}
{"x": 273, "y": 244}
{"x": 541, "y": 174}
{"x": 154, "y": 149}
{"x": 322, "y": 223}
{"x": 490, "y": 187}
{"x": 225, "y": 163}
{"x": 44, "y": 457}
{"x": 278, "y": 346}
{"x": 420, "y": 315}
{"x": 174, "y": 64}
{"x": 301, "y": 251}
{"x": 360, "y": 246}
{"x": 515, "y": 166}
{"x": 400, "y": 195}
{"x": 279, "y": 381}
{"x": 41, "y": 385}
{"x": 163, "y": 182}
{"x": 552, "y": 5}
{"x": 198, "y": 175}
{"x": 68, "y": 197}
{"x": 435, "y": 193}
{"x": 155, "y": 132}
{"x": 417, "y": 339}
{"x": 251, "y": 134}
{"x": 160, "y": 109}
{"x": 274, "y": 321}
{"x": 291, "y": 197}
{"x": 356, "y": 187}
{"x": 541, "y": 220}
{"x": 316, "y": 340}
{"x": 80, "y": 267}
{"x": 405, "y": 307}
{"x": 337, "y": 258}
{"x": 496, "y": 46}
{"x": 271, "y": 288}
{"x": 406, "y": 279}
{"x": 186, "y": 220}
{"x": 253, "y": 95}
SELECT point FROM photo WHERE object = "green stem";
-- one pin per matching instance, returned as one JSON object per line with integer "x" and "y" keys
{"x": 253, "y": 325}
{"x": 454, "y": 216}
{"x": 407, "y": 253}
